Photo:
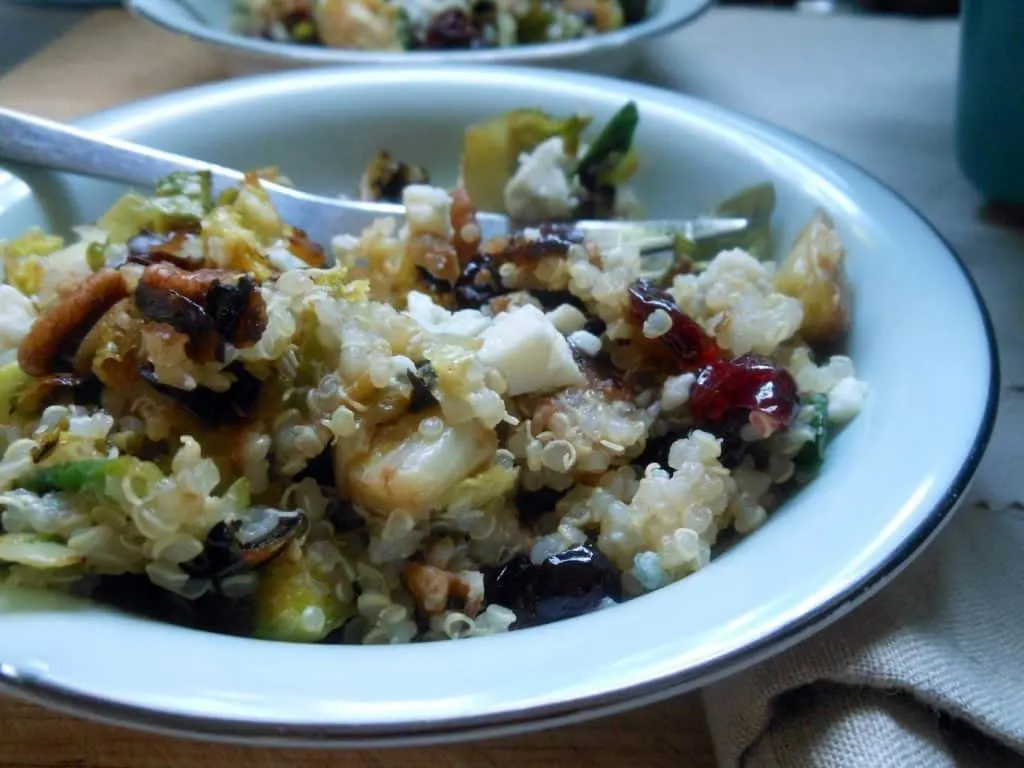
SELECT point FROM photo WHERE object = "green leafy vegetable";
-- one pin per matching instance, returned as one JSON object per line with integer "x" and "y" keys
{"x": 611, "y": 150}
{"x": 813, "y": 453}
{"x": 181, "y": 200}
{"x": 491, "y": 149}
{"x": 756, "y": 204}
{"x": 77, "y": 476}
{"x": 195, "y": 186}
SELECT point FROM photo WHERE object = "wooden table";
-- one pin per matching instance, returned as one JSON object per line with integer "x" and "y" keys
{"x": 110, "y": 59}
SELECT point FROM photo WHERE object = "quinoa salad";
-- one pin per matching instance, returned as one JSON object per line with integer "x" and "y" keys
{"x": 408, "y": 433}
{"x": 403, "y": 25}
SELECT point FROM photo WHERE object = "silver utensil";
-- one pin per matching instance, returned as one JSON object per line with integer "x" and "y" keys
{"x": 44, "y": 143}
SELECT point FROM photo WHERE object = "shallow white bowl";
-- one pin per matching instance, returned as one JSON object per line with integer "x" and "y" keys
{"x": 921, "y": 339}
{"x": 210, "y": 21}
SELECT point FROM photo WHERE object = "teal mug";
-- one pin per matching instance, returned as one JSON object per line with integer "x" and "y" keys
{"x": 990, "y": 99}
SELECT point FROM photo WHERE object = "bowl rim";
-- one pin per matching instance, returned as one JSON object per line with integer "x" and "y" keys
{"x": 28, "y": 684}
{"x": 675, "y": 14}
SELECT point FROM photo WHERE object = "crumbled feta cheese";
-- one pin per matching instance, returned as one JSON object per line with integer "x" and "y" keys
{"x": 567, "y": 319}
{"x": 529, "y": 352}
{"x": 540, "y": 189}
{"x": 283, "y": 259}
{"x": 585, "y": 342}
{"x": 675, "y": 392}
{"x": 17, "y": 313}
{"x": 427, "y": 210}
{"x": 435, "y": 319}
{"x": 846, "y": 399}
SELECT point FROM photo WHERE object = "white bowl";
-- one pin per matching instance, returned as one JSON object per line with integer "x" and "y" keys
{"x": 921, "y": 339}
{"x": 612, "y": 53}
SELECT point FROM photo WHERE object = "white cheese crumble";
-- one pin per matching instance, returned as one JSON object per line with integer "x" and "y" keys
{"x": 846, "y": 399}
{"x": 436, "y": 319}
{"x": 283, "y": 259}
{"x": 529, "y": 352}
{"x": 17, "y": 313}
{"x": 540, "y": 189}
{"x": 427, "y": 210}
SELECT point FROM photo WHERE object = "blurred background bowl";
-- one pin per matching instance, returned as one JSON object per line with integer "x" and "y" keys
{"x": 610, "y": 53}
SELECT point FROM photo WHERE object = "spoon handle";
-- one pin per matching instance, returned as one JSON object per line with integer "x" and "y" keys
{"x": 40, "y": 142}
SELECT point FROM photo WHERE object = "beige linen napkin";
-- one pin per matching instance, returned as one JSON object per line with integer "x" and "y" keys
{"x": 930, "y": 672}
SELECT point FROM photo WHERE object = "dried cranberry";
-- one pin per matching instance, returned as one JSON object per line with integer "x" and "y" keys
{"x": 568, "y": 584}
{"x": 749, "y": 385}
{"x": 685, "y": 345}
{"x": 452, "y": 30}
{"x": 478, "y": 284}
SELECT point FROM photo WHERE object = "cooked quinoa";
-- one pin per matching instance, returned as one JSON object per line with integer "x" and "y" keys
{"x": 409, "y": 435}
{"x": 402, "y": 25}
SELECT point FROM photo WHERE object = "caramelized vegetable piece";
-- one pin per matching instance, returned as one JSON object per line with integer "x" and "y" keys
{"x": 202, "y": 302}
{"x": 246, "y": 543}
{"x": 291, "y": 595}
{"x": 150, "y": 248}
{"x": 55, "y": 336}
{"x": 405, "y": 470}
{"x": 813, "y": 272}
{"x": 58, "y": 388}
{"x": 385, "y": 178}
{"x": 233, "y": 406}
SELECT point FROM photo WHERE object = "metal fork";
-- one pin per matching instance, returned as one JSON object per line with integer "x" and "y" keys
{"x": 44, "y": 143}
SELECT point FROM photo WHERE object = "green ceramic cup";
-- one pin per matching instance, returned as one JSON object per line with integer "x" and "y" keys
{"x": 990, "y": 99}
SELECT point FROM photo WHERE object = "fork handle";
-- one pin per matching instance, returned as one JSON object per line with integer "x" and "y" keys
{"x": 39, "y": 142}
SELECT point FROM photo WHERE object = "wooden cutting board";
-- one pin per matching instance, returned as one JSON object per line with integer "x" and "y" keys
{"x": 111, "y": 59}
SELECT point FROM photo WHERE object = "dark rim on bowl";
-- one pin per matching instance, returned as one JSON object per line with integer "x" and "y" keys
{"x": 655, "y": 25}
{"x": 30, "y": 686}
